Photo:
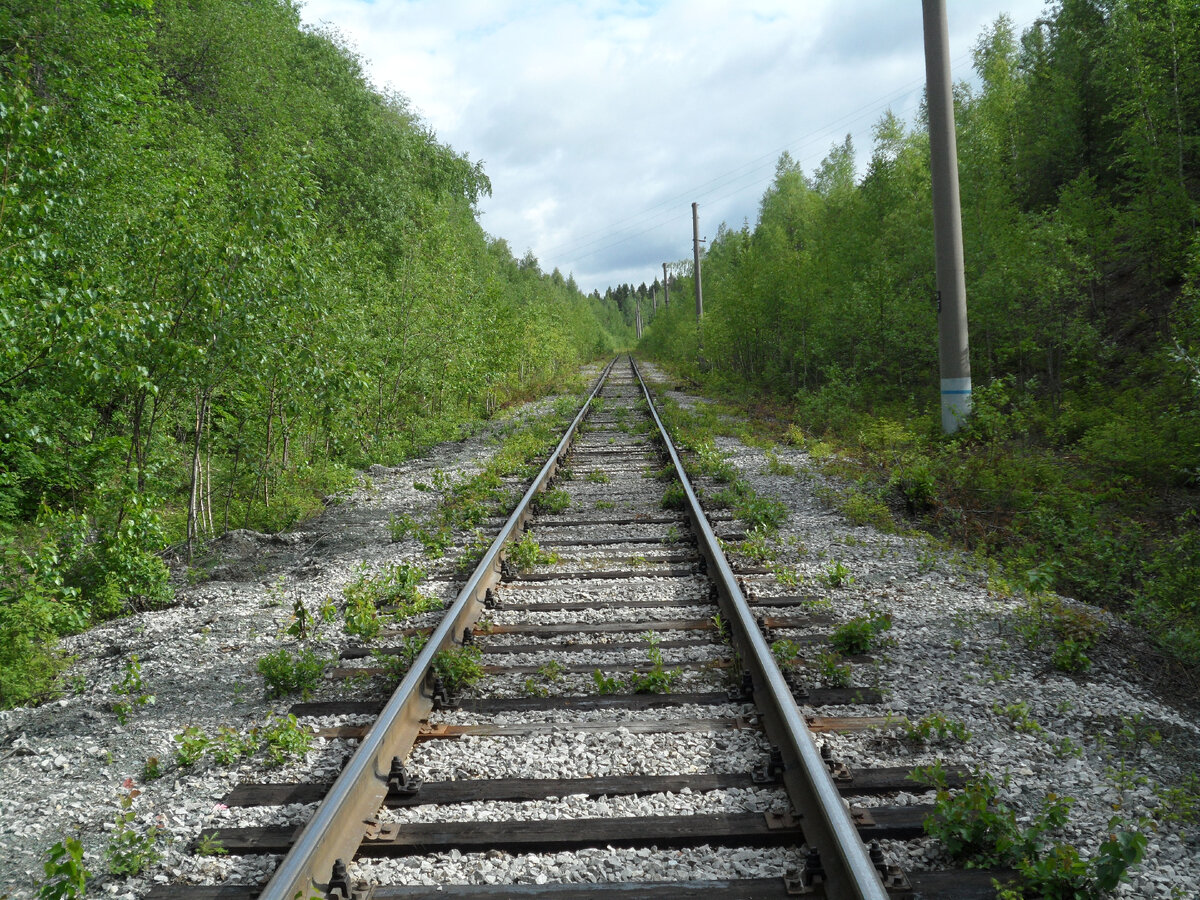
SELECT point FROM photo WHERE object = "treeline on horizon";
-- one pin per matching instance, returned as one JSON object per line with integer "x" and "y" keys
{"x": 1079, "y": 159}
{"x": 232, "y": 270}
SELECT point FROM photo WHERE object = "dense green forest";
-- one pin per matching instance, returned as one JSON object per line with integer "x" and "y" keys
{"x": 232, "y": 270}
{"x": 1079, "y": 154}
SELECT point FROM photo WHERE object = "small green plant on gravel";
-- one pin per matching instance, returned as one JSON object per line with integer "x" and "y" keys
{"x": 786, "y": 652}
{"x": 468, "y": 559}
{"x": 284, "y": 739}
{"x": 786, "y": 575}
{"x": 605, "y": 504}
{"x": 861, "y": 634}
{"x": 720, "y": 626}
{"x": 525, "y": 554}
{"x": 597, "y": 477}
{"x": 459, "y": 667}
{"x": 775, "y": 466}
{"x": 230, "y": 745}
{"x": 551, "y": 671}
{"x": 607, "y": 684}
{"x": 935, "y": 728}
{"x": 838, "y": 574}
{"x": 210, "y": 845}
{"x": 547, "y": 674}
{"x": 674, "y": 497}
{"x": 832, "y": 671}
{"x": 193, "y": 743}
{"x": 287, "y": 673}
{"x": 361, "y": 615}
{"x": 65, "y": 874}
{"x": 660, "y": 679}
{"x": 400, "y": 526}
{"x": 977, "y": 829}
{"x": 863, "y": 509}
{"x": 1072, "y": 630}
{"x": 133, "y": 689}
{"x": 757, "y": 545}
{"x": 327, "y": 611}
{"x": 1179, "y": 804}
{"x": 129, "y": 849}
{"x": 1018, "y": 714}
{"x": 554, "y": 501}
{"x": 672, "y": 535}
{"x": 434, "y": 541}
{"x": 152, "y": 769}
{"x": 301, "y": 622}
{"x": 1067, "y": 748}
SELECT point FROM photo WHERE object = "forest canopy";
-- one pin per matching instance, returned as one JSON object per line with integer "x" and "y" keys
{"x": 232, "y": 270}
{"x": 1079, "y": 159}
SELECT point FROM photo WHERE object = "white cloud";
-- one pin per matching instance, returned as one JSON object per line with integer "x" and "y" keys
{"x": 599, "y": 121}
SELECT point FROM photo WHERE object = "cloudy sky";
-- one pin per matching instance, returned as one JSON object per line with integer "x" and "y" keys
{"x": 600, "y": 121}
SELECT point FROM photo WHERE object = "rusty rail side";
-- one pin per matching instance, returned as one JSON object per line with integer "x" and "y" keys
{"x": 827, "y": 826}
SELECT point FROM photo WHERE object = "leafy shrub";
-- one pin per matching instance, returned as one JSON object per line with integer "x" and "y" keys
{"x": 975, "y": 828}
{"x": 288, "y": 673}
{"x": 65, "y": 873}
{"x": 284, "y": 740}
{"x": 129, "y": 849}
{"x": 863, "y": 509}
{"x": 459, "y": 667}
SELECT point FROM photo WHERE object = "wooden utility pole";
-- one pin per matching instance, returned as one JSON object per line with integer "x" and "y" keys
{"x": 666, "y": 288}
{"x": 954, "y": 358}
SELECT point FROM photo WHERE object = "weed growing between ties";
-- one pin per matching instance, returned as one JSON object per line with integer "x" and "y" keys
{"x": 935, "y": 728}
{"x": 553, "y": 501}
{"x": 861, "y": 634}
{"x": 526, "y": 554}
{"x": 396, "y": 665}
{"x": 459, "y": 667}
{"x": 547, "y": 675}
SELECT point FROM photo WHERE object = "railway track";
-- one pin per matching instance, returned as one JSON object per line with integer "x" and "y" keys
{"x": 631, "y": 720}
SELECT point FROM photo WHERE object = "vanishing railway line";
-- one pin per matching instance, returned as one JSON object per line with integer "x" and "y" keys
{"x": 577, "y": 652}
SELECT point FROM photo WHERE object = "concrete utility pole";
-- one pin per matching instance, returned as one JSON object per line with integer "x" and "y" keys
{"x": 696, "y": 276}
{"x": 637, "y": 316}
{"x": 954, "y": 358}
{"x": 666, "y": 288}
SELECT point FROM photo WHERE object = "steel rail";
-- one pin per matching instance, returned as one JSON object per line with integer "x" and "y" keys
{"x": 826, "y": 823}
{"x": 338, "y": 826}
